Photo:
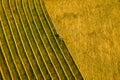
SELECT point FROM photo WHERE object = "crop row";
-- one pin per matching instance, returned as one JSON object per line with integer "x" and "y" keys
{"x": 30, "y": 48}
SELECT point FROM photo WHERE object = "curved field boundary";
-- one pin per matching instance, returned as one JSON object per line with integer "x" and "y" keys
{"x": 31, "y": 49}
{"x": 60, "y": 43}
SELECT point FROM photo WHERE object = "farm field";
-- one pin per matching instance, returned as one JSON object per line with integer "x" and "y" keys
{"x": 91, "y": 31}
{"x": 30, "y": 47}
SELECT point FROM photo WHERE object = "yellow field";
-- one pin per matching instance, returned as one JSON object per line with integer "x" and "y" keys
{"x": 30, "y": 47}
{"x": 91, "y": 29}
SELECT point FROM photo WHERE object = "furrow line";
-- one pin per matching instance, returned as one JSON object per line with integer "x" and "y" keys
{"x": 3, "y": 66}
{"x": 20, "y": 31}
{"x": 52, "y": 55}
{"x": 53, "y": 50}
{"x": 17, "y": 43}
{"x": 31, "y": 41}
{"x": 15, "y": 53}
{"x": 62, "y": 59}
{"x": 74, "y": 68}
{"x": 40, "y": 58}
{"x": 7, "y": 55}
{"x": 9, "y": 74}
{"x": 72, "y": 63}
{"x": 25, "y": 28}
{"x": 8, "y": 35}
{"x": 55, "y": 32}
{"x": 33, "y": 37}
{"x": 61, "y": 72}
{"x": 53, "y": 71}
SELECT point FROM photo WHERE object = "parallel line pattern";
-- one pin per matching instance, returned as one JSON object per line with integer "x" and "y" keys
{"x": 60, "y": 42}
{"x": 30, "y": 47}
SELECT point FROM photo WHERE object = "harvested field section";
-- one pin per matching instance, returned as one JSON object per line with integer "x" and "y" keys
{"x": 29, "y": 47}
{"x": 4, "y": 71}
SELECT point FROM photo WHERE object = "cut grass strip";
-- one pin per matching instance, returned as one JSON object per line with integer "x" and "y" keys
{"x": 70, "y": 59}
{"x": 4, "y": 72}
{"x": 25, "y": 61}
{"x": 53, "y": 57}
{"x": 31, "y": 55}
{"x": 46, "y": 56}
{"x": 60, "y": 56}
{"x": 34, "y": 37}
{"x": 66, "y": 54}
{"x": 33, "y": 44}
{"x": 15, "y": 54}
{"x": 53, "y": 41}
{"x": 7, "y": 55}
{"x": 40, "y": 58}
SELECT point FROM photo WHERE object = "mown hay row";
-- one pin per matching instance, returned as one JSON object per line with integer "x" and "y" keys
{"x": 31, "y": 48}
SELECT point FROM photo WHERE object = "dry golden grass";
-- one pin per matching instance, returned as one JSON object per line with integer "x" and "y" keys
{"x": 91, "y": 30}
{"x": 30, "y": 48}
